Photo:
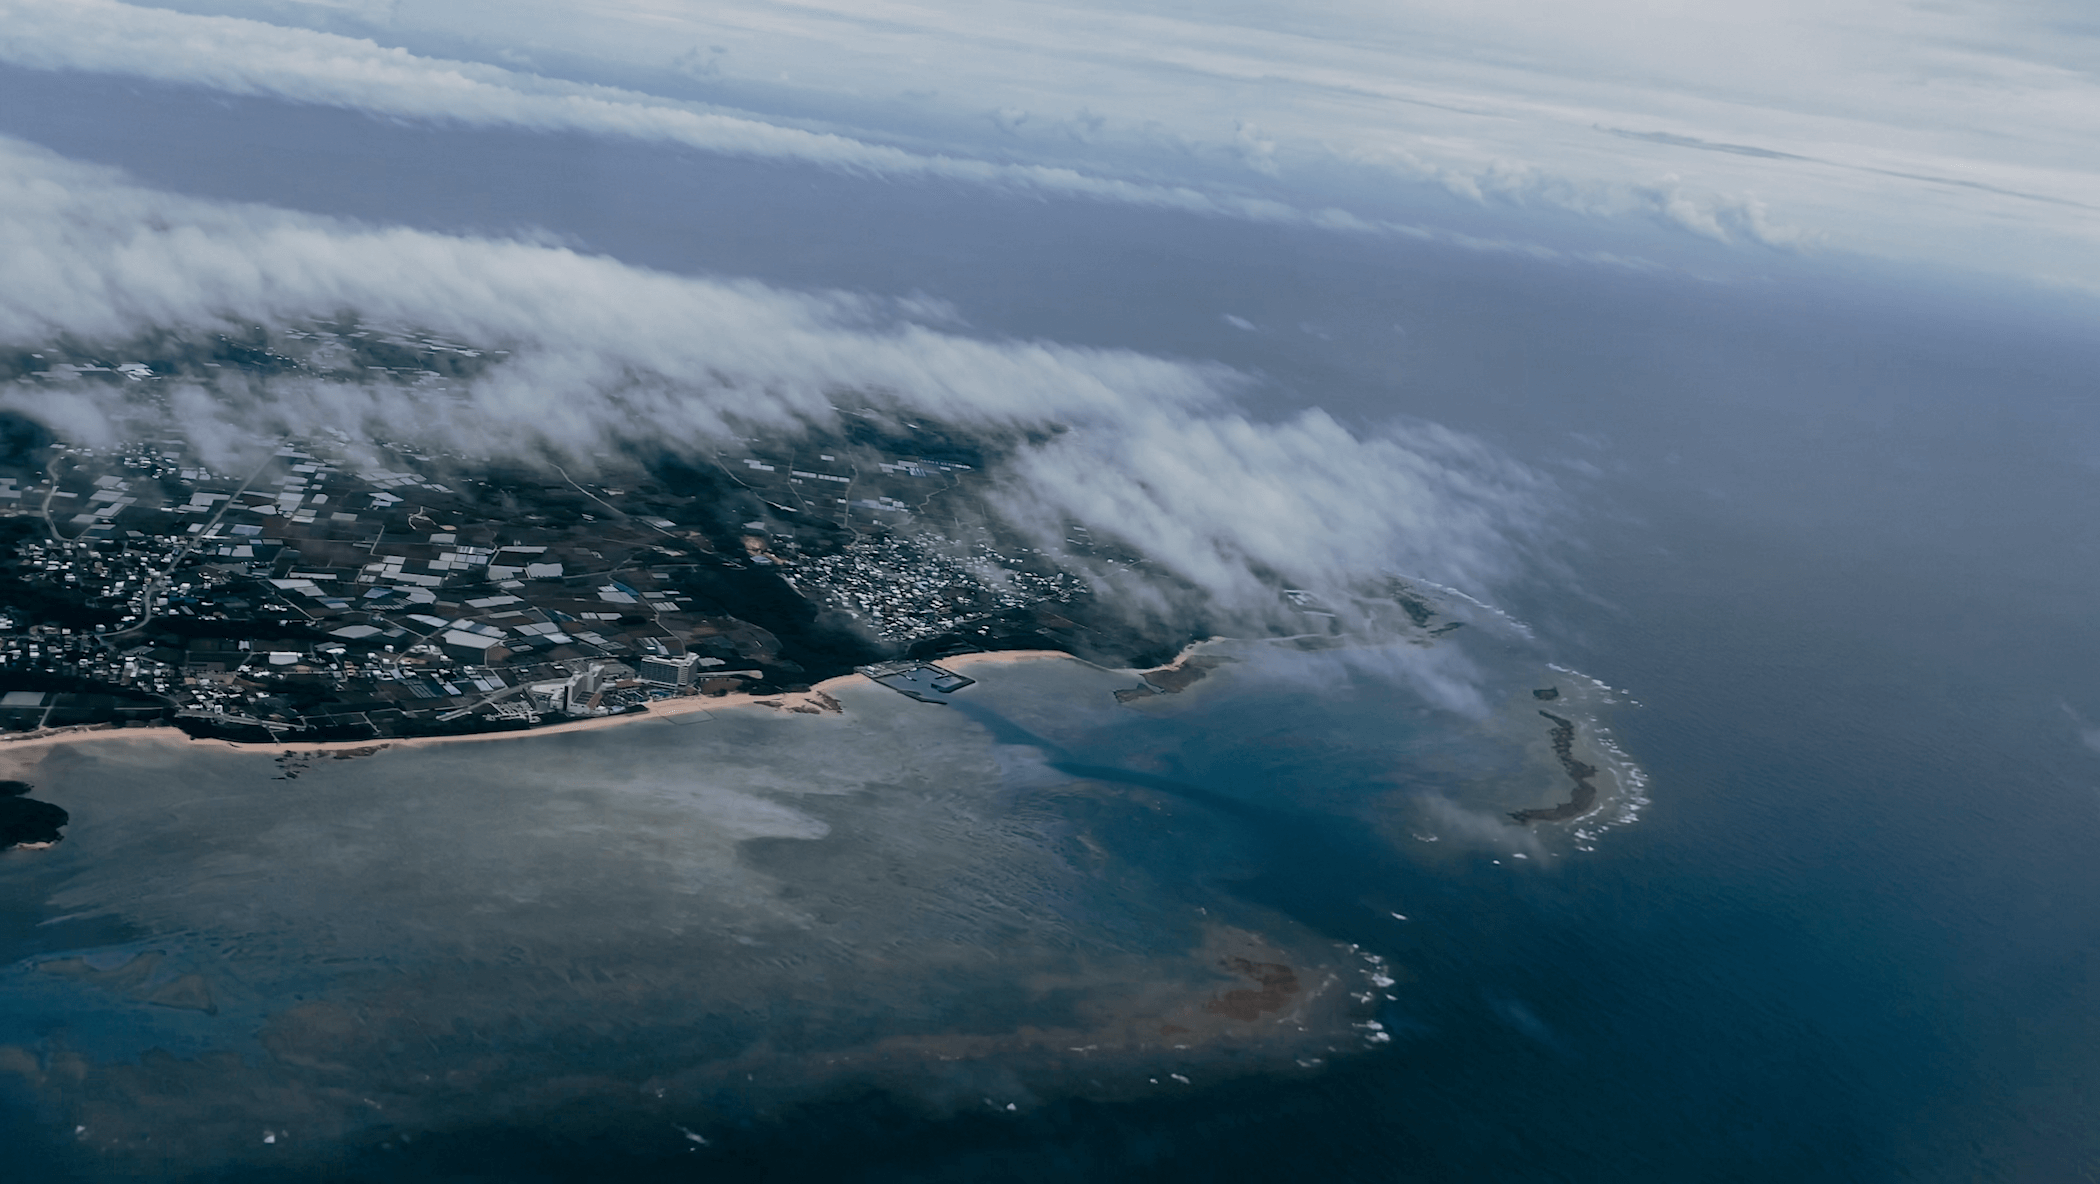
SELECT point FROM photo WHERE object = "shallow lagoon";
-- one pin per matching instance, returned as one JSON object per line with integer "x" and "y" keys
{"x": 1034, "y": 893}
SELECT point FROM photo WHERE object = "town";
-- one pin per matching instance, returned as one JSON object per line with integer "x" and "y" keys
{"x": 320, "y": 594}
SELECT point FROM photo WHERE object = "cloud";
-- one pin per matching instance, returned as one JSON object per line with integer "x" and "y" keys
{"x": 1952, "y": 135}
{"x": 602, "y": 354}
{"x": 248, "y": 57}
{"x": 1222, "y": 500}
{"x": 1474, "y": 828}
{"x": 1444, "y": 677}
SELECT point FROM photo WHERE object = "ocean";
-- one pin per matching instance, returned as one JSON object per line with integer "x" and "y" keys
{"x": 1759, "y": 972}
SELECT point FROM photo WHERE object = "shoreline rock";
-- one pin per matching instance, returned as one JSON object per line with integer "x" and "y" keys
{"x": 26, "y": 823}
{"x": 1584, "y": 797}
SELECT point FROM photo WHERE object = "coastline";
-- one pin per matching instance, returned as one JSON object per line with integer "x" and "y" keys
{"x": 816, "y": 700}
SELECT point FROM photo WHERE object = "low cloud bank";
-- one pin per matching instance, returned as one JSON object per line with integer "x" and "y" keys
{"x": 603, "y": 355}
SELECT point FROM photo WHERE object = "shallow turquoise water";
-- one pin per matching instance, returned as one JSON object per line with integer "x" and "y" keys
{"x": 413, "y": 943}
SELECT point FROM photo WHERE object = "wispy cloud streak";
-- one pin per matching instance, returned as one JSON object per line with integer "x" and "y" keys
{"x": 1952, "y": 136}
{"x": 249, "y": 57}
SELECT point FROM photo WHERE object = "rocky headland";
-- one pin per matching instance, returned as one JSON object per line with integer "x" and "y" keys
{"x": 25, "y": 822}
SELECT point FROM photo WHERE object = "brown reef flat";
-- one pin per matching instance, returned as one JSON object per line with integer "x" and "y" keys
{"x": 1278, "y": 983}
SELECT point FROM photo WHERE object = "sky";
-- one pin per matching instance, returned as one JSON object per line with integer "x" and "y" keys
{"x": 1203, "y": 243}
